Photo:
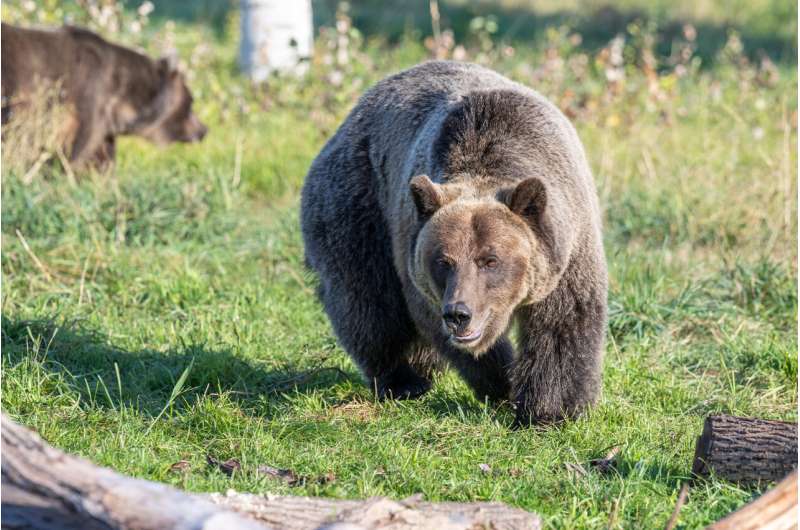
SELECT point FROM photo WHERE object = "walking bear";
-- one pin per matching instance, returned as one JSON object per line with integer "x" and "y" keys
{"x": 111, "y": 90}
{"x": 449, "y": 204}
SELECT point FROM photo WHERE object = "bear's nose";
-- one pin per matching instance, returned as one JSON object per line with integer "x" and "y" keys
{"x": 198, "y": 133}
{"x": 456, "y": 316}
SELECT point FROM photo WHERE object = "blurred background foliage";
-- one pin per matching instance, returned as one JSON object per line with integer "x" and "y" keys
{"x": 677, "y": 66}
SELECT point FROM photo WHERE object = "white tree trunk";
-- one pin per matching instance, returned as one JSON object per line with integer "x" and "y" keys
{"x": 276, "y": 35}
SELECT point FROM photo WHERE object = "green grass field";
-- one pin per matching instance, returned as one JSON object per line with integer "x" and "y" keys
{"x": 162, "y": 313}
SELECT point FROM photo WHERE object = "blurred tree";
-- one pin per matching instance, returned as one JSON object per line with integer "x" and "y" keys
{"x": 275, "y": 36}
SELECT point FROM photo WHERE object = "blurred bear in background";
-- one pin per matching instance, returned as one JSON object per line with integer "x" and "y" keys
{"x": 108, "y": 90}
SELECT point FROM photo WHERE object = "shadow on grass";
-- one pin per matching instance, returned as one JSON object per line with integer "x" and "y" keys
{"x": 626, "y": 469}
{"x": 467, "y": 408}
{"x": 147, "y": 379}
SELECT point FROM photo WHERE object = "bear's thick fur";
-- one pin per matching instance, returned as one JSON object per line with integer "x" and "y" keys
{"x": 451, "y": 203}
{"x": 111, "y": 90}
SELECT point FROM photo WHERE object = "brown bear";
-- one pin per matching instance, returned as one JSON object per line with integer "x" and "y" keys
{"x": 111, "y": 90}
{"x": 451, "y": 203}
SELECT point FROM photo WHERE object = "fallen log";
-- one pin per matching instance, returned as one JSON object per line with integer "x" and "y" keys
{"x": 746, "y": 450}
{"x": 307, "y": 513}
{"x": 44, "y": 488}
{"x": 774, "y": 510}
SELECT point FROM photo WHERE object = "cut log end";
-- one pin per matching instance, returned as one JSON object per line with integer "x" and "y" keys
{"x": 748, "y": 451}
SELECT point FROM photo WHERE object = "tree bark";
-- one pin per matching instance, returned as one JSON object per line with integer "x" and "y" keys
{"x": 307, "y": 513}
{"x": 775, "y": 510}
{"x": 44, "y": 488}
{"x": 746, "y": 450}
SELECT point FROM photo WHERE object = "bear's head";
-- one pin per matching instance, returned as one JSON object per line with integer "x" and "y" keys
{"x": 477, "y": 258}
{"x": 162, "y": 112}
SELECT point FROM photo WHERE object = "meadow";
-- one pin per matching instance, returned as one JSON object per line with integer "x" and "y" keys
{"x": 161, "y": 314}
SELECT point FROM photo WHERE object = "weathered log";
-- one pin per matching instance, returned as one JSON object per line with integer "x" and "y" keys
{"x": 44, "y": 488}
{"x": 774, "y": 510}
{"x": 746, "y": 450}
{"x": 306, "y": 513}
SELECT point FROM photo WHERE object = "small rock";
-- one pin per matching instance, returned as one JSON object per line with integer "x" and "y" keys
{"x": 287, "y": 475}
{"x": 181, "y": 466}
{"x": 515, "y": 472}
{"x": 605, "y": 465}
{"x": 227, "y": 467}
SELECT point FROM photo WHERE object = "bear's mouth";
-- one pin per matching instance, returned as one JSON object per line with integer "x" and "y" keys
{"x": 472, "y": 337}
{"x": 469, "y": 338}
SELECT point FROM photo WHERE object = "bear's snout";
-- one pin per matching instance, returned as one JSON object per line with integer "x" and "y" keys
{"x": 195, "y": 129}
{"x": 456, "y": 317}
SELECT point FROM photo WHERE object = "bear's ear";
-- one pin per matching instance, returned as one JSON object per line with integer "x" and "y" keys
{"x": 162, "y": 65}
{"x": 168, "y": 62}
{"x": 428, "y": 197}
{"x": 529, "y": 200}
{"x": 167, "y": 69}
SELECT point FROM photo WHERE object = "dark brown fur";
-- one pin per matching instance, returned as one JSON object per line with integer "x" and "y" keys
{"x": 451, "y": 204}
{"x": 111, "y": 90}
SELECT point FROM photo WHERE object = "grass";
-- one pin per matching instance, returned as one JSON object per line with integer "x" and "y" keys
{"x": 163, "y": 313}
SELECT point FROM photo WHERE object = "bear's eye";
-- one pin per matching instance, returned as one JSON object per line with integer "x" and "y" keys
{"x": 443, "y": 263}
{"x": 489, "y": 262}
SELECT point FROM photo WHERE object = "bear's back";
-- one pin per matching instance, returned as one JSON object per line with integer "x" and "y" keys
{"x": 410, "y": 98}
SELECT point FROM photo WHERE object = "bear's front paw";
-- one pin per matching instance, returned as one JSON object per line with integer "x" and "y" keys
{"x": 524, "y": 420}
{"x": 402, "y": 383}
{"x": 495, "y": 390}
{"x": 527, "y": 416}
